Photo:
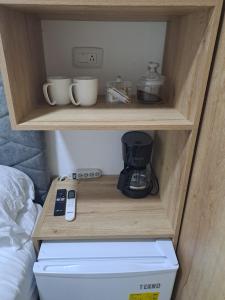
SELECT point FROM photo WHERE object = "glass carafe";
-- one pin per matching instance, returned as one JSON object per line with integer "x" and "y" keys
{"x": 140, "y": 179}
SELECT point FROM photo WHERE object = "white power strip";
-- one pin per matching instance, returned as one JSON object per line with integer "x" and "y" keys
{"x": 81, "y": 174}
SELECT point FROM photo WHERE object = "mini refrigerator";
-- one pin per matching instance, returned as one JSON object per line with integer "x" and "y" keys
{"x": 106, "y": 270}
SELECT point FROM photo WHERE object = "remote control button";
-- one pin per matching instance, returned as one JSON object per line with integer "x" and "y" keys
{"x": 71, "y": 194}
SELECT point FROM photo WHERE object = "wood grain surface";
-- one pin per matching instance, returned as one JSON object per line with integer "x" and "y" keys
{"x": 106, "y": 116}
{"x": 22, "y": 61}
{"x": 201, "y": 245}
{"x": 124, "y": 10}
{"x": 189, "y": 49}
{"x": 113, "y": 2}
{"x": 103, "y": 213}
{"x": 172, "y": 158}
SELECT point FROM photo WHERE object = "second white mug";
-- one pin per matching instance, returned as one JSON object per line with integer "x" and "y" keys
{"x": 84, "y": 91}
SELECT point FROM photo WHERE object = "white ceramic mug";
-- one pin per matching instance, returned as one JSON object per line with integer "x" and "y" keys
{"x": 84, "y": 90}
{"x": 56, "y": 90}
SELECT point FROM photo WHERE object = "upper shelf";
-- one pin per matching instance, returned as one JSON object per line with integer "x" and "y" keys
{"x": 109, "y": 10}
{"x": 106, "y": 116}
{"x": 187, "y": 57}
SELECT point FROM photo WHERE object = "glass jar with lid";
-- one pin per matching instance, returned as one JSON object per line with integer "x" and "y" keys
{"x": 148, "y": 86}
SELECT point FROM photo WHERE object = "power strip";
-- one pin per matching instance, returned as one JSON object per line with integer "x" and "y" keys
{"x": 81, "y": 174}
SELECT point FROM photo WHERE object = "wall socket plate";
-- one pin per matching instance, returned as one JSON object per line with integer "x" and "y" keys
{"x": 87, "y": 57}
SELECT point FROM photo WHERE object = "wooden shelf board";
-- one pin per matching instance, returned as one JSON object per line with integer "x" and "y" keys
{"x": 140, "y": 3}
{"x": 103, "y": 10}
{"x": 106, "y": 116}
{"x": 104, "y": 213}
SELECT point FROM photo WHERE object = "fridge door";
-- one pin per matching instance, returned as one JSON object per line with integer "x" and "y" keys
{"x": 106, "y": 270}
{"x": 103, "y": 280}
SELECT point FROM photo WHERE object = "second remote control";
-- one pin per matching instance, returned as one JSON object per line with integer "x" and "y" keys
{"x": 60, "y": 202}
{"x": 70, "y": 214}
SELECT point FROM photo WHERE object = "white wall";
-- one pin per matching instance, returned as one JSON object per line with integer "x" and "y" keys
{"x": 128, "y": 46}
{"x": 84, "y": 149}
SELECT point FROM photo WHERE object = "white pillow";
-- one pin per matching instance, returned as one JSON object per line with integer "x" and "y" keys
{"x": 15, "y": 189}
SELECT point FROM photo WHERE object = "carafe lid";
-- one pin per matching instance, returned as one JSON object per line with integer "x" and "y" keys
{"x": 119, "y": 78}
{"x": 119, "y": 81}
{"x": 152, "y": 76}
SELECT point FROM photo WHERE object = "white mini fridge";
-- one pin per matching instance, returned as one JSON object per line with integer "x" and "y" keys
{"x": 101, "y": 270}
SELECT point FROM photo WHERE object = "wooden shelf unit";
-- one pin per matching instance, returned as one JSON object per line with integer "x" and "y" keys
{"x": 191, "y": 31}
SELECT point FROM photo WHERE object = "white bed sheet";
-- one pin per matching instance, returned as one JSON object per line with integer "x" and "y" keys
{"x": 16, "y": 265}
{"x": 16, "y": 199}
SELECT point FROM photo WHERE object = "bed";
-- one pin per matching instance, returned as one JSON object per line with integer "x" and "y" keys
{"x": 18, "y": 215}
{"x": 24, "y": 182}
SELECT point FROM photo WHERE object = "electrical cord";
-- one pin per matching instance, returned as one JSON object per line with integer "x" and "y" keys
{"x": 154, "y": 181}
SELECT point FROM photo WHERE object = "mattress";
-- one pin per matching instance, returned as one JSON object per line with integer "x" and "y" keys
{"x": 16, "y": 275}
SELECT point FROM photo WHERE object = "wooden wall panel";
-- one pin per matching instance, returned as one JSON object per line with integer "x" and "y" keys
{"x": 22, "y": 61}
{"x": 188, "y": 51}
{"x": 172, "y": 161}
{"x": 201, "y": 247}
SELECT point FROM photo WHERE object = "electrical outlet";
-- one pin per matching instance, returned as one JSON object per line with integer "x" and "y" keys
{"x": 92, "y": 58}
{"x": 87, "y": 57}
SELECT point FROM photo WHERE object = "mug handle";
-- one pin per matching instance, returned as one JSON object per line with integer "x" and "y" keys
{"x": 45, "y": 91}
{"x": 72, "y": 99}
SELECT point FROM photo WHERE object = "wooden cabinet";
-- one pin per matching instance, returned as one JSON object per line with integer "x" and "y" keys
{"x": 191, "y": 32}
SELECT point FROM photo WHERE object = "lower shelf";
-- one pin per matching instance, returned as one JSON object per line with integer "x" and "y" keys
{"x": 133, "y": 116}
{"x": 104, "y": 213}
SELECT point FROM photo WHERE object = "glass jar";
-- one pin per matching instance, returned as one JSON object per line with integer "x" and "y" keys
{"x": 148, "y": 86}
{"x": 118, "y": 90}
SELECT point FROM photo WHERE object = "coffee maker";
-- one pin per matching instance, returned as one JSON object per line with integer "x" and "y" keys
{"x": 137, "y": 179}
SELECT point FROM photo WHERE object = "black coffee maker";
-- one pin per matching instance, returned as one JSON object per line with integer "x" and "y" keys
{"x": 137, "y": 179}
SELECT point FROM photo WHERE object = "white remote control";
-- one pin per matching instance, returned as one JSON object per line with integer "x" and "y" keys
{"x": 70, "y": 213}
